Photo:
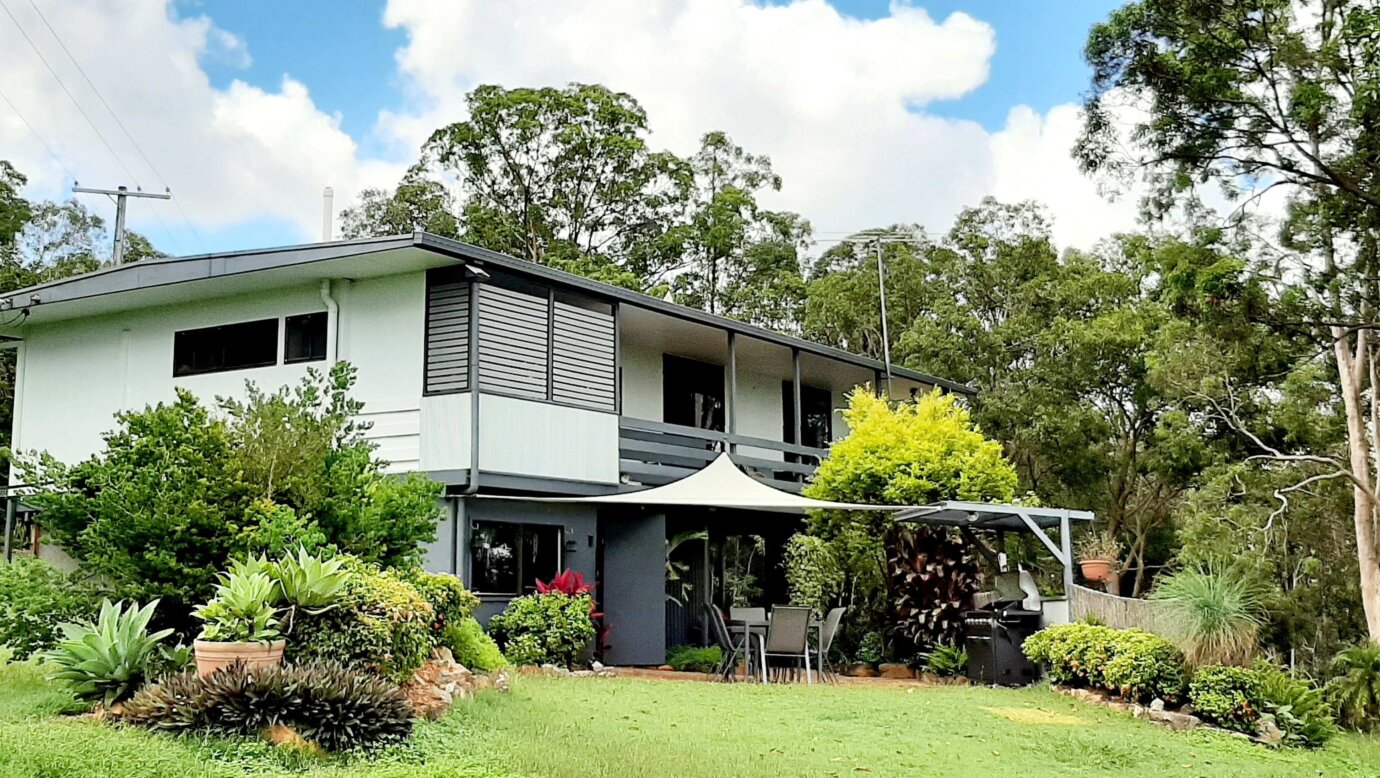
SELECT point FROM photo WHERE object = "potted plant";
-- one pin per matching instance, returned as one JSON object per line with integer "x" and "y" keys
{"x": 1096, "y": 555}
{"x": 241, "y": 623}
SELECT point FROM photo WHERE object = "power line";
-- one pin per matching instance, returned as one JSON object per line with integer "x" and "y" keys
{"x": 69, "y": 94}
{"x": 38, "y": 137}
{"x": 163, "y": 180}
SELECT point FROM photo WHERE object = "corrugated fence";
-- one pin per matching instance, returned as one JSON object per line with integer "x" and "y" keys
{"x": 1114, "y": 611}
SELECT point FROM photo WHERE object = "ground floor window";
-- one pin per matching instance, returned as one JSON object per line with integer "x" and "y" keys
{"x": 508, "y": 558}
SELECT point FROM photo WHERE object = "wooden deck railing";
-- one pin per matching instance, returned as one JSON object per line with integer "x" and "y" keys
{"x": 653, "y": 453}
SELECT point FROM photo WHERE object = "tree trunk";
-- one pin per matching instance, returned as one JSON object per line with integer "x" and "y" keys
{"x": 1359, "y": 454}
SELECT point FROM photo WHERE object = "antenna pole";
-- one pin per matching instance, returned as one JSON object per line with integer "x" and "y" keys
{"x": 886, "y": 338}
{"x": 121, "y": 195}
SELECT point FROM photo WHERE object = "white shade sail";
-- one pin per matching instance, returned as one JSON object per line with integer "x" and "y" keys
{"x": 719, "y": 485}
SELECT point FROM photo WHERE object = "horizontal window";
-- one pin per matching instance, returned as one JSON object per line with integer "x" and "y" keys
{"x": 227, "y": 347}
{"x": 509, "y": 559}
{"x": 304, "y": 338}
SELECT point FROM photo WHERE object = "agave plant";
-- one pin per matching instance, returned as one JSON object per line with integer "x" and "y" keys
{"x": 1355, "y": 686}
{"x": 242, "y": 610}
{"x": 109, "y": 659}
{"x": 1213, "y": 614}
{"x": 310, "y": 583}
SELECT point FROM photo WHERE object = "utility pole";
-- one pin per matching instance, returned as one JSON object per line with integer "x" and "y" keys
{"x": 121, "y": 195}
{"x": 886, "y": 337}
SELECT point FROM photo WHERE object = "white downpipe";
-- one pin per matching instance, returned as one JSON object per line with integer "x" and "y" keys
{"x": 332, "y": 322}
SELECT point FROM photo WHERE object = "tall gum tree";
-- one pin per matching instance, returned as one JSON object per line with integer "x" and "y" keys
{"x": 1256, "y": 95}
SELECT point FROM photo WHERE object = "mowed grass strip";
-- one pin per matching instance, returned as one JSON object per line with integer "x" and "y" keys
{"x": 628, "y": 728}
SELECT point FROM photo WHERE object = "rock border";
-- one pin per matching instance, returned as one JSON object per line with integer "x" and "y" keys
{"x": 1180, "y": 720}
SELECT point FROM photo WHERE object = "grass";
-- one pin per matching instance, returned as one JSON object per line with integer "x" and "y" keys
{"x": 629, "y": 728}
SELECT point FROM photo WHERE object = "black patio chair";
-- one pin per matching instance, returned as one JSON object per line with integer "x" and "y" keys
{"x": 732, "y": 649}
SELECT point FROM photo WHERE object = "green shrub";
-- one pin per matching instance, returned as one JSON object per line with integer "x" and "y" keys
{"x": 813, "y": 573}
{"x": 870, "y": 649}
{"x": 1143, "y": 666}
{"x": 1299, "y": 709}
{"x": 1215, "y": 613}
{"x": 1227, "y": 696}
{"x": 450, "y": 601}
{"x": 694, "y": 659}
{"x": 381, "y": 623}
{"x": 1075, "y": 654}
{"x": 947, "y": 660}
{"x": 275, "y": 530}
{"x": 472, "y": 647}
{"x": 326, "y": 703}
{"x": 551, "y": 628}
{"x": 1129, "y": 662}
{"x": 109, "y": 659}
{"x": 1355, "y": 686}
{"x": 35, "y": 598}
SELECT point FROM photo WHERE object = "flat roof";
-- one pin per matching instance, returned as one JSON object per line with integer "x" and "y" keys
{"x": 983, "y": 515}
{"x": 163, "y": 272}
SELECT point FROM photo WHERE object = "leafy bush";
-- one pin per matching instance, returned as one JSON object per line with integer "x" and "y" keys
{"x": 179, "y": 489}
{"x": 870, "y": 649}
{"x": 107, "y": 660}
{"x": 694, "y": 659}
{"x": 1227, "y": 696}
{"x": 242, "y": 610}
{"x": 813, "y": 573}
{"x": 947, "y": 660}
{"x": 326, "y": 703}
{"x": 1355, "y": 686}
{"x": 451, "y": 603}
{"x": 1215, "y": 613}
{"x": 1300, "y": 710}
{"x": 472, "y": 647}
{"x": 551, "y": 628}
{"x": 1143, "y": 666}
{"x": 381, "y": 623}
{"x": 1129, "y": 662}
{"x": 35, "y": 598}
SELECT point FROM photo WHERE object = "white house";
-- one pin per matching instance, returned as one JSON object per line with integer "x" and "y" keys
{"x": 496, "y": 376}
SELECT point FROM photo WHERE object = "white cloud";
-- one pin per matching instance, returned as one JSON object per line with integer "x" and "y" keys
{"x": 230, "y": 156}
{"x": 846, "y": 108}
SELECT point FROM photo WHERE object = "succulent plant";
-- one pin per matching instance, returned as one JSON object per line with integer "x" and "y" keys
{"x": 110, "y": 658}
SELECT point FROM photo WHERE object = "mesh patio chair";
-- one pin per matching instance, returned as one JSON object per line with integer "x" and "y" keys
{"x": 827, "y": 631}
{"x": 732, "y": 649}
{"x": 788, "y": 639}
{"x": 747, "y": 614}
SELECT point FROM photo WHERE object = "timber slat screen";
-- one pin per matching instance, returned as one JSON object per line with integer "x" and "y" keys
{"x": 447, "y": 334}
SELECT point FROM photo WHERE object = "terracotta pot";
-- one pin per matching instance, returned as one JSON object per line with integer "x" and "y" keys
{"x": 212, "y": 656}
{"x": 1096, "y": 569}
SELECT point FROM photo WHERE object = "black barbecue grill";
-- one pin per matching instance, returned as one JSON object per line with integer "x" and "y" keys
{"x": 993, "y": 635}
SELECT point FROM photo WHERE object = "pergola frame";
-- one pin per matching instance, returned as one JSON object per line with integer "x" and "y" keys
{"x": 1006, "y": 518}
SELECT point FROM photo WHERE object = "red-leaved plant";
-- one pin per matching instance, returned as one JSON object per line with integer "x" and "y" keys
{"x": 572, "y": 584}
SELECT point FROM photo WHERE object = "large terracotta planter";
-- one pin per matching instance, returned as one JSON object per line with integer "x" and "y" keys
{"x": 212, "y": 656}
{"x": 1096, "y": 569}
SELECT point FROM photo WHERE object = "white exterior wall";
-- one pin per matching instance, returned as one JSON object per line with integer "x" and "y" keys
{"x": 641, "y": 382}
{"x": 75, "y": 375}
{"x": 543, "y": 439}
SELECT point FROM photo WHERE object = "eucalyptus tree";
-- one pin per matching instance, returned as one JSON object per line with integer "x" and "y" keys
{"x": 1258, "y": 95}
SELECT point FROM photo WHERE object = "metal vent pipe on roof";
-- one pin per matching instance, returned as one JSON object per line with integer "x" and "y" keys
{"x": 327, "y": 212}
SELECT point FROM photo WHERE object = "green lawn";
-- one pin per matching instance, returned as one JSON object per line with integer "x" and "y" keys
{"x": 628, "y": 728}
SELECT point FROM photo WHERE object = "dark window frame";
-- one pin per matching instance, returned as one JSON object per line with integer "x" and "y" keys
{"x": 525, "y": 579}
{"x": 186, "y": 344}
{"x": 317, "y": 351}
{"x": 813, "y": 400}
{"x": 680, "y": 378}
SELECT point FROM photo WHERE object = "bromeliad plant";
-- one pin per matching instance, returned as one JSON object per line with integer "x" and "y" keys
{"x": 108, "y": 660}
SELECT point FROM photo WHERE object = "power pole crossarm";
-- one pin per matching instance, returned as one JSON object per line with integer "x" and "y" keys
{"x": 121, "y": 195}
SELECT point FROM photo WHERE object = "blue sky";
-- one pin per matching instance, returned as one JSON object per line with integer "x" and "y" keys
{"x": 872, "y": 112}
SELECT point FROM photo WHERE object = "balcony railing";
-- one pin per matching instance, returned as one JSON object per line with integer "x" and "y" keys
{"x": 655, "y": 453}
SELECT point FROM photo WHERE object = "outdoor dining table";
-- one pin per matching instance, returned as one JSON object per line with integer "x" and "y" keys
{"x": 748, "y": 627}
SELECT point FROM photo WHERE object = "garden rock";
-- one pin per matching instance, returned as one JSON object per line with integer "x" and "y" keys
{"x": 1175, "y": 720}
{"x": 1157, "y": 704}
{"x": 862, "y": 670}
{"x": 1268, "y": 733}
{"x": 895, "y": 670}
{"x": 438, "y": 683}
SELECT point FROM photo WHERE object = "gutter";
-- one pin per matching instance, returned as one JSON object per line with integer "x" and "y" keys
{"x": 332, "y": 322}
